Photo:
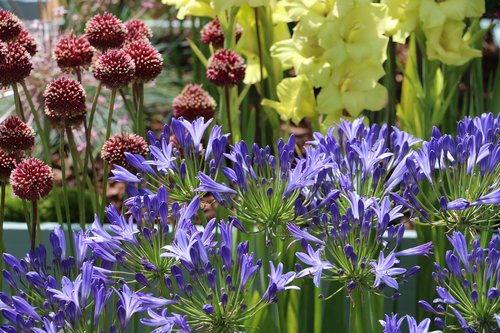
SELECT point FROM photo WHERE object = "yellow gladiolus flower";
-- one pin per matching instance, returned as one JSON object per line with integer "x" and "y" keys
{"x": 296, "y": 99}
{"x": 446, "y": 44}
{"x": 433, "y": 14}
{"x": 310, "y": 13}
{"x": 305, "y": 56}
{"x": 358, "y": 35}
{"x": 191, "y": 7}
{"x": 403, "y": 18}
{"x": 353, "y": 88}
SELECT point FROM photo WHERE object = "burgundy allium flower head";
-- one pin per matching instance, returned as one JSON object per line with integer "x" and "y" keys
{"x": 72, "y": 52}
{"x": 114, "y": 68}
{"x": 137, "y": 29}
{"x": 16, "y": 135}
{"x": 148, "y": 61}
{"x": 225, "y": 68}
{"x": 65, "y": 121}
{"x": 105, "y": 31}
{"x": 32, "y": 179}
{"x": 193, "y": 102}
{"x": 65, "y": 97}
{"x": 115, "y": 148}
{"x": 3, "y": 52}
{"x": 10, "y": 26}
{"x": 16, "y": 67}
{"x": 212, "y": 33}
{"x": 8, "y": 162}
{"x": 27, "y": 41}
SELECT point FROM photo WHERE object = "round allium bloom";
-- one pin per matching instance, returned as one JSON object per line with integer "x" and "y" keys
{"x": 10, "y": 26}
{"x": 148, "y": 61}
{"x": 114, "y": 68}
{"x": 8, "y": 162}
{"x": 16, "y": 67}
{"x": 193, "y": 102}
{"x": 212, "y": 33}
{"x": 58, "y": 121}
{"x": 72, "y": 52}
{"x": 225, "y": 68}
{"x": 65, "y": 97}
{"x": 137, "y": 30}
{"x": 16, "y": 135}
{"x": 32, "y": 179}
{"x": 3, "y": 52}
{"x": 27, "y": 41}
{"x": 105, "y": 31}
{"x": 115, "y": 148}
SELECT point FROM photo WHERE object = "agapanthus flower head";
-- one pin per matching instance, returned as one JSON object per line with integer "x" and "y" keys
{"x": 105, "y": 31}
{"x": 73, "y": 52}
{"x": 10, "y": 26}
{"x": 3, "y": 52}
{"x": 468, "y": 287}
{"x": 115, "y": 148}
{"x": 393, "y": 324}
{"x": 16, "y": 67}
{"x": 212, "y": 33}
{"x": 148, "y": 61}
{"x": 355, "y": 239}
{"x": 461, "y": 173}
{"x": 225, "y": 68}
{"x": 65, "y": 97}
{"x": 32, "y": 179}
{"x": 8, "y": 162}
{"x": 16, "y": 135}
{"x": 138, "y": 30}
{"x": 193, "y": 102}
{"x": 114, "y": 68}
{"x": 26, "y": 40}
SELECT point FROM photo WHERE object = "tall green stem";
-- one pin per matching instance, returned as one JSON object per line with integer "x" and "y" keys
{"x": 80, "y": 184}
{"x": 366, "y": 309}
{"x": 34, "y": 221}
{"x": 106, "y": 166}
{"x": 2, "y": 216}
{"x": 141, "y": 129}
{"x": 17, "y": 101}
{"x": 65, "y": 188}
{"x": 227, "y": 104}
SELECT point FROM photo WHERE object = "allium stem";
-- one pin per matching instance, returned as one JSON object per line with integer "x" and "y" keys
{"x": 106, "y": 165}
{"x": 34, "y": 221}
{"x": 140, "y": 111}
{"x": 65, "y": 189}
{"x": 2, "y": 215}
{"x": 228, "y": 107}
{"x": 17, "y": 101}
{"x": 79, "y": 181}
{"x": 261, "y": 70}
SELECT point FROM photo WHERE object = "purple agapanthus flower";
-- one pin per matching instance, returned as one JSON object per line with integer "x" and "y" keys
{"x": 316, "y": 263}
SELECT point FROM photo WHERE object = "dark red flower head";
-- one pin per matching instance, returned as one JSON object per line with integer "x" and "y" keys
{"x": 148, "y": 61}
{"x": 8, "y": 162}
{"x": 32, "y": 179}
{"x": 225, "y": 68}
{"x": 27, "y": 41}
{"x": 138, "y": 30}
{"x": 3, "y": 52}
{"x": 65, "y": 97}
{"x": 63, "y": 122}
{"x": 193, "y": 102}
{"x": 115, "y": 148}
{"x": 16, "y": 135}
{"x": 105, "y": 31}
{"x": 10, "y": 26}
{"x": 16, "y": 67}
{"x": 72, "y": 52}
{"x": 212, "y": 33}
{"x": 114, "y": 68}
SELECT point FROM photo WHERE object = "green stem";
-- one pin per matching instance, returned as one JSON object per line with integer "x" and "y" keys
{"x": 79, "y": 182}
{"x": 17, "y": 101}
{"x": 366, "y": 310}
{"x": 65, "y": 188}
{"x": 34, "y": 221}
{"x": 140, "y": 110}
{"x": 228, "y": 107}
{"x": 261, "y": 72}
{"x": 2, "y": 215}
{"x": 106, "y": 166}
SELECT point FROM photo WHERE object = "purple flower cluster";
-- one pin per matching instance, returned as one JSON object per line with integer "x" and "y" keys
{"x": 468, "y": 287}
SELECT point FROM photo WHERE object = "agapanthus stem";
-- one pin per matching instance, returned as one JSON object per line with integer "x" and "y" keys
{"x": 261, "y": 70}
{"x": 34, "y": 220}
{"x": 106, "y": 166}
{"x": 366, "y": 309}
{"x": 17, "y": 101}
